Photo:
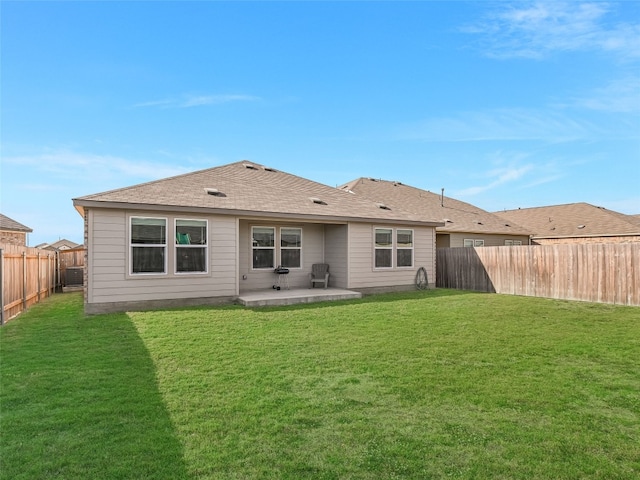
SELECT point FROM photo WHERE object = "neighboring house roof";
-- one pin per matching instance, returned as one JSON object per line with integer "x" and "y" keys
{"x": 62, "y": 244}
{"x": 573, "y": 220}
{"x": 635, "y": 218}
{"x": 247, "y": 188}
{"x": 10, "y": 225}
{"x": 458, "y": 217}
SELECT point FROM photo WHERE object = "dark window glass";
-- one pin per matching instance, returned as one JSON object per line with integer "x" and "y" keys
{"x": 405, "y": 257}
{"x": 148, "y": 231}
{"x": 383, "y": 258}
{"x": 263, "y": 258}
{"x": 191, "y": 259}
{"x": 148, "y": 259}
{"x": 290, "y": 258}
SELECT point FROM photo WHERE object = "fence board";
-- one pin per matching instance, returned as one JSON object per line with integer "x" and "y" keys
{"x": 605, "y": 273}
{"x": 28, "y": 276}
{"x": 68, "y": 259}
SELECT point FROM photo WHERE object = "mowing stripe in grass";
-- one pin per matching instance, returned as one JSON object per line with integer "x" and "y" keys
{"x": 436, "y": 384}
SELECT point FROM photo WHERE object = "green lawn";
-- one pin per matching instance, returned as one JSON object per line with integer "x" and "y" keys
{"x": 436, "y": 384}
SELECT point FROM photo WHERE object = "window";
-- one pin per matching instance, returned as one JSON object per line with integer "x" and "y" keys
{"x": 191, "y": 246}
{"x": 508, "y": 243}
{"x": 290, "y": 247}
{"x": 148, "y": 245}
{"x": 470, "y": 242}
{"x": 404, "y": 248}
{"x": 263, "y": 247}
{"x": 383, "y": 247}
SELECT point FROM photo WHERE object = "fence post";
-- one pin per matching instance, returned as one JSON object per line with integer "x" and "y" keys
{"x": 24, "y": 281}
{"x": 1, "y": 286}
{"x": 51, "y": 273}
{"x": 58, "y": 274}
{"x": 39, "y": 277}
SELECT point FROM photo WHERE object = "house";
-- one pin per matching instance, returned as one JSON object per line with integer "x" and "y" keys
{"x": 12, "y": 232}
{"x": 208, "y": 236}
{"x": 464, "y": 224}
{"x": 62, "y": 244}
{"x": 575, "y": 223}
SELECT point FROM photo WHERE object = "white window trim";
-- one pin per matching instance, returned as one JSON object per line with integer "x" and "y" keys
{"x": 291, "y": 248}
{"x": 140, "y": 245}
{"x": 512, "y": 243}
{"x": 375, "y": 247}
{"x": 176, "y": 246}
{"x": 398, "y": 247}
{"x": 273, "y": 249}
{"x": 476, "y": 242}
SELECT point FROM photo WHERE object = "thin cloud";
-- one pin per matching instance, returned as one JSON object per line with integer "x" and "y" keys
{"x": 508, "y": 124}
{"x": 155, "y": 103}
{"x": 498, "y": 177}
{"x": 89, "y": 167}
{"x": 619, "y": 96}
{"x": 190, "y": 101}
{"x": 537, "y": 29}
{"x": 544, "y": 180}
{"x": 216, "y": 99}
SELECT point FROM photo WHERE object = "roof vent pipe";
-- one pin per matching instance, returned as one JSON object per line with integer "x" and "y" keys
{"x": 442, "y": 198}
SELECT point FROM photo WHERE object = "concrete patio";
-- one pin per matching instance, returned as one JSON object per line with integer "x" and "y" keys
{"x": 272, "y": 297}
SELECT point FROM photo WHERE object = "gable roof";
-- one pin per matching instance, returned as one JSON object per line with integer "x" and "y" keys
{"x": 249, "y": 189}
{"x": 62, "y": 244}
{"x": 10, "y": 225}
{"x": 456, "y": 215}
{"x": 573, "y": 220}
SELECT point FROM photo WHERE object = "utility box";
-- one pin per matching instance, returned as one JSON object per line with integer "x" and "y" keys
{"x": 74, "y": 277}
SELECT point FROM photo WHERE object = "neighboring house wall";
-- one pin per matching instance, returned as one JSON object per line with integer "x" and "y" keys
{"x": 443, "y": 240}
{"x": 108, "y": 264}
{"x": 586, "y": 240}
{"x": 312, "y": 252}
{"x": 457, "y": 239}
{"x": 13, "y": 238}
{"x": 336, "y": 254}
{"x": 363, "y": 275}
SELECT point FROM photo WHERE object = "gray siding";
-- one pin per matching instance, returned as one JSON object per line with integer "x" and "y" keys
{"x": 457, "y": 239}
{"x": 108, "y": 262}
{"x": 443, "y": 240}
{"x": 336, "y": 254}
{"x": 363, "y": 275}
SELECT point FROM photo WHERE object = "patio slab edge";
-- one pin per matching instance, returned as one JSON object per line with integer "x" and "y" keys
{"x": 294, "y": 297}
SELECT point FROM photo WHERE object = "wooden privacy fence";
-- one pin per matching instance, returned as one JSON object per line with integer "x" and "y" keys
{"x": 605, "y": 273}
{"x": 70, "y": 265}
{"x": 27, "y": 275}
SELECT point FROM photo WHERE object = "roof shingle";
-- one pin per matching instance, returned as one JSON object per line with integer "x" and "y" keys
{"x": 572, "y": 220}
{"x": 457, "y": 216}
{"x": 249, "y": 188}
{"x": 8, "y": 224}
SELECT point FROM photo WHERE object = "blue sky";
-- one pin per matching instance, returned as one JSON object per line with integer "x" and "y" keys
{"x": 503, "y": 104}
